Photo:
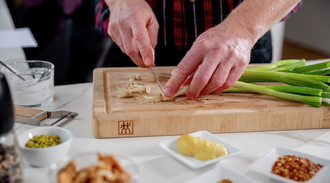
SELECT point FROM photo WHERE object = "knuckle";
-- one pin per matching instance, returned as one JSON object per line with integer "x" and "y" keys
{"x": 139, "y": 36}
{"x": 144, "y": 50}
{"x": 204, "y": 43}
{"x": 183, "y": 69}
{"x": 202, "y": 78}
{"x": 134, "y": 14}
{"x": 241, "y": 63}
{"x": 110, "y": 30}
{"x": 175, "y": 81}
{"x": 218, "y": 83}
{"x": 213, "y": 62}
{"x": 131, "y": 52}
{"x": 111, "y": 26}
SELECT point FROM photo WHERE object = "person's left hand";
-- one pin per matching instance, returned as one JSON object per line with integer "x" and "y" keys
{"x": 214, "y": 63}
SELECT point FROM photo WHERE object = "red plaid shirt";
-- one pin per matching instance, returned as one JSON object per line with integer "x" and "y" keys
{"x": 181, "y": 21}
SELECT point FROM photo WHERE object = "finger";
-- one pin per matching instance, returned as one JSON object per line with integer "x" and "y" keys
{"x": 189, "y": 78}
{"x": 115, "y": 35}
{"x": 202, "y": 77}
{"x": 218, "y": 78}
{"x": 233, "y": 76}
{"x": 152, "y": 29}
{"x": 141, "y": 37}
{"x": 186, "y": 67}
{"x": 131, "y": 49}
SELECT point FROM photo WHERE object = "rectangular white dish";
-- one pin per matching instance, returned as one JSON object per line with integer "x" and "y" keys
{"x": 264, "y": 165}
{"x": 170, "y": 147}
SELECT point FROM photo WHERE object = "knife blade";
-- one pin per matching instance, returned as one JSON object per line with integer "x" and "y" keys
{"x": 156, "y": 77}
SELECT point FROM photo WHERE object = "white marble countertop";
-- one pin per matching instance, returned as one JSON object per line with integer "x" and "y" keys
{"x": 154, "y": 164}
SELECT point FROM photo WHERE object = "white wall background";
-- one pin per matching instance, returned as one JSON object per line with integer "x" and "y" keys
{"x": 310, "y": 26}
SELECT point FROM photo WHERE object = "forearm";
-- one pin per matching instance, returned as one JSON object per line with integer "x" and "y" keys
{"x": 255, "y": 17}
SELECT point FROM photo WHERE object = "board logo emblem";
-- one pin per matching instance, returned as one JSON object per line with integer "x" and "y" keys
{"x": 125, "y": 127}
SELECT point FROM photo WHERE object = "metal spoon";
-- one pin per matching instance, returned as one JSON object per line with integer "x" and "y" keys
{"x": 11, "y": 70}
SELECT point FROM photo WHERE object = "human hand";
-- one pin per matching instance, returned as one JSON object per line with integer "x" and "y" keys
{"x": 134, "y": 28}
{"x": 214, "y": 63}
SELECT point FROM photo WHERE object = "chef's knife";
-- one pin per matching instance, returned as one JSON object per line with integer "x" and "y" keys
{"x": 160, "y": 86}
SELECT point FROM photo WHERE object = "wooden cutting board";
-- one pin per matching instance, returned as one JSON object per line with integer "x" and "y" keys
{"x": 216, "y": 113}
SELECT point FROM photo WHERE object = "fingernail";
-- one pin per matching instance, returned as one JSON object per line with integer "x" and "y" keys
{"x": 147, "y": 61}
{"x": 190, "y": 96}
{"x": 168, "y": 92}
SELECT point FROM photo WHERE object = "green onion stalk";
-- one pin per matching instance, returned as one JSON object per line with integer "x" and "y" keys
{"x": 311, "y": 100}
{"x": 287, "y": 89}
{"x": 313, "y": 81}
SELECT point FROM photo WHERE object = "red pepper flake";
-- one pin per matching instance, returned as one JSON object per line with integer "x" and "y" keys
{"x": 295, "y": 168}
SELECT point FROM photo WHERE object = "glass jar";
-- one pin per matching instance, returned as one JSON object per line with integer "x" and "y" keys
{"x": 10, "y": 159}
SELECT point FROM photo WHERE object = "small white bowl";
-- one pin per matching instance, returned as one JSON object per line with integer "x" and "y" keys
{"x": 86, "y": 159}
{"x": 220, "y": 173}
{"x": 170, "y": 147}
{"x": 43, "y": 157}
{"x": 265, "y": 164}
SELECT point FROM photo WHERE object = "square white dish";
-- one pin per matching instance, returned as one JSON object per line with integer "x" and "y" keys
{"x": 220, "y": 173}
{"x": 170, "y": 147}
{"x": 264, "y": 165}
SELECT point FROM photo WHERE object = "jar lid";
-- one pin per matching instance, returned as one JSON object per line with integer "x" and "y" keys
{"x": 7, "y": 109}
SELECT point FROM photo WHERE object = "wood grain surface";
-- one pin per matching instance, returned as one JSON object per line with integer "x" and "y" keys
{"x": 216, "y": 113}
{"x": 28, "y": 112}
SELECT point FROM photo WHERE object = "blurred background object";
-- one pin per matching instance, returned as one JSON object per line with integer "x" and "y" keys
{"x": 307, "y": 32}
{"x": 64, "y": 30}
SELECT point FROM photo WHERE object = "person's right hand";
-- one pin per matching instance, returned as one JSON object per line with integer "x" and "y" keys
{"x": 134, "y": 28}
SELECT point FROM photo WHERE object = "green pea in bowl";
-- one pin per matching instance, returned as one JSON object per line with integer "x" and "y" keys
{"x": 44, "y": 156}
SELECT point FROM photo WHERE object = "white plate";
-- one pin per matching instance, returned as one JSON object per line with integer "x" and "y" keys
{"x": 264, "y": 165}
{"x": 170, "y": 147}
{"x": 220, "y": 173}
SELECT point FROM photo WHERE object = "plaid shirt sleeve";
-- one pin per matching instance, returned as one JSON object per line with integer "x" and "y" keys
{"x": 181, "y": 21}
{"x": 102, "y": 15}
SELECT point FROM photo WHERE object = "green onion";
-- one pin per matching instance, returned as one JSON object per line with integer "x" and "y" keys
{"x": 297, "y": 90}
{"x": 235, "y": 90}
{"x": 308, "y": 83}
{"x": 274, "y": 65}
{"x": 325, "y": 103}
{"x": 286, "y": 89}
{"x": 251, "y": 80}
{"x": 311, "y": 100}
{"x": 271, "y": 75}
{"x": 319, "y": 72}
{"x": 313, "y": 67}
{"x": 313, "y": 81}
{"x": 325, "y": 95}
{"x": 289, "y": 67}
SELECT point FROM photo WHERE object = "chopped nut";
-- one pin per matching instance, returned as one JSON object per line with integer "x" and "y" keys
{"x": 108, "y": 170}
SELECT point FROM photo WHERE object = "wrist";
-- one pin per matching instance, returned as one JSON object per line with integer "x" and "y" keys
{"x": 234, "y": 33}
{"x": 250, "y": 30}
